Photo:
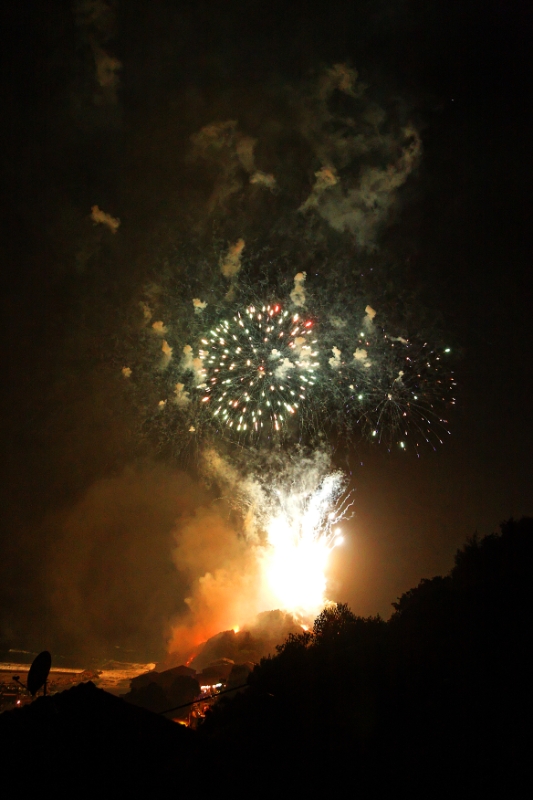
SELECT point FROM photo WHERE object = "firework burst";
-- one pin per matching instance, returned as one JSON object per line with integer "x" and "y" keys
{"x": 259, "y": 365}
{"x": 396, "y": 390}
{"x": 261, "y": 373}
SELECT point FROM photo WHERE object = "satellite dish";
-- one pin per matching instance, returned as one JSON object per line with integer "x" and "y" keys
{"x": 39, "y": 672}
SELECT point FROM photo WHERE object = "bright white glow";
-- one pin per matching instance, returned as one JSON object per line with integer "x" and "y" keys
{"x": 301, "y": 533}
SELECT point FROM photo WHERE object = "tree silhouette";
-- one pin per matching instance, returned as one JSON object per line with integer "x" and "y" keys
{"x": 432, "y": 701}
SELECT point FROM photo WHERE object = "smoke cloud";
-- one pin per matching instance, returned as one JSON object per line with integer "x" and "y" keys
{"x": 283, "y": 368}
{"x": 190, "y": 363}
{"x": 198, "y": 305}
{"x": 102, "y": 218}
{"x": 226, "y": 565}
{"x": 361, "y": 173}
{"x": 96, "y": 22}
{"x": 222, "y": 571}
{"x": 231, "y": 155}
{"x": 230, "y": 263}
{"x": 159, "y": 328}
{"x": 182, "y": 396}
{"x": 167, "y": 354}
{"x": 335, "y": 360}
{"x": 110, "y": 571}
{"x": 298, "y": 293}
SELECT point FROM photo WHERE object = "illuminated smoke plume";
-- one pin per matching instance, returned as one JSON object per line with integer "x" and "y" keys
{"x": 182, "y": 396}
{"x": 335, "y": 360}
{"x": 100, "y": 217}
{"x": 362, "y": 207}
{"x": 96, "y": 21}
{"x": 159, "y": 328}
{"x": 230, "y": 266}
{"x": 325, "y": 179}
{"x": 298, "y": 293}
{"x": 192, "y": 364}
{"x": 146, "y": 311}
{"x": 167, "y": 354}
{"x": 198, "y": 305}
{"x": 230, "y": 263}
{"x": 350, "y": 192}
{"x": 289, "y": 512}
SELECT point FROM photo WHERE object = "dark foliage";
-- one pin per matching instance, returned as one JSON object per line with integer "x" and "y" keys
{"x": 434, "y": 702}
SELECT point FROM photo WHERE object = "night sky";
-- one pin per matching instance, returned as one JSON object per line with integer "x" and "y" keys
{"x": 89, "y": 504}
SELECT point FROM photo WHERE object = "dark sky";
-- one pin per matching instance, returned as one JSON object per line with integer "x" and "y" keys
{"x": 88, "y": 505}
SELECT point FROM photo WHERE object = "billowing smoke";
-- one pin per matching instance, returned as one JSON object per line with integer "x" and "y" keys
{"x": 222, "y": 571}
{"x": 230, "y": 153}
{"x": 111, "y": 577}
{"x": 263, "y": 546}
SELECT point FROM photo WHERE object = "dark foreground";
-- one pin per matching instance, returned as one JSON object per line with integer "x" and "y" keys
{"x": 436, "y": 702}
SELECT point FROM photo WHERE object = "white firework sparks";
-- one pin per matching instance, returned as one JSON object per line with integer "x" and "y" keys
{"x": 301, "y": 533}
{"x": 259, "y": 365}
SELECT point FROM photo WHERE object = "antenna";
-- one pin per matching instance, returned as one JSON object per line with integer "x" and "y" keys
{"x": 38, "y": 674}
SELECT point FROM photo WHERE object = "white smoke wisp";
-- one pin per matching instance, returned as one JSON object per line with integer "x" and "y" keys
{"x": 182, "y": 398}
{"x": 166, "y": 349}
{"x": 361, "y": 357}
{"x": 335, "y": 360}
{"x": 368, "y": 319}
{"x": 281, "y": 371}
{"x": 190, "y": 363}
{"x": 230, "y": 262}
{"x": 298, "y": 293}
